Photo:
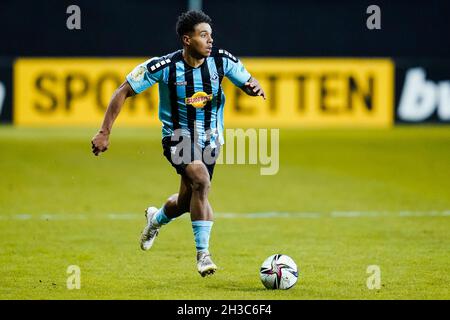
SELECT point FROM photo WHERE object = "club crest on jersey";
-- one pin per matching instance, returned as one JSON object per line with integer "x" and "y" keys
{"x": 214, "y": 76}
{"x": 199, "y": 99}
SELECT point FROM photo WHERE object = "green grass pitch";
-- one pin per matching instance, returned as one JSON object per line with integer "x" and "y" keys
{"x": 356, "y": 198}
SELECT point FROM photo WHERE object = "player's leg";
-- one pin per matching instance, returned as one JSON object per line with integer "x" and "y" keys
{"x": 201, "y": 215}
{"x": 179, "y": 203}
{"x": 175, "y": 206}
{"x": 198, "y": 175}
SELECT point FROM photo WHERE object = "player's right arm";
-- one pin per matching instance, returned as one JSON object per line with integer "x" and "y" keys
{"x": 138, "y": 80}
{"x": 100, "y": 142}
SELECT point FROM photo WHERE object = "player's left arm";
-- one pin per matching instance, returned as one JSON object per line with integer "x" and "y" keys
{"x": 239, "y": 76}
{"x": 253, "y": 88}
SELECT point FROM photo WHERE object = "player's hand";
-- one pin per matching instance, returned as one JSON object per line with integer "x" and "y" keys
{"x": 253, "y": 88}
{"x": 100, "y": 142}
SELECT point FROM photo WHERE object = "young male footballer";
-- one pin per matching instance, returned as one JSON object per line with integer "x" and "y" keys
{"x": 191, "y": 102}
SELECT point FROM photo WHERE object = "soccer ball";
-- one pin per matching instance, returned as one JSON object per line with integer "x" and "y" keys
{"x": 279, "y": 272}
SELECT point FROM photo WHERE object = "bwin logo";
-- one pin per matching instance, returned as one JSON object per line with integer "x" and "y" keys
{"x": 2, "y": 96}
{"x": 421, "y": 98}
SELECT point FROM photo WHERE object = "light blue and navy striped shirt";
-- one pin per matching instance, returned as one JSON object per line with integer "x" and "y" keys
{"x": 190, "y": 99}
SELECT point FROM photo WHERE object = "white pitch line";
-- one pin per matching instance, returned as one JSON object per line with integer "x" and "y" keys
{"x": 265, "y": 215}
{"x": 22, "y": 216}
{"x": 230, "y": 215}
{"x": 126, "y": 216}
{"x": 426, "y": 213}
{"x": 62, "y": 217}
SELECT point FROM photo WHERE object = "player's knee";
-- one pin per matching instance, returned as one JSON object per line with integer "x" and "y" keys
{"x": 201, "y": 184}
{"x": 199, "y": 176}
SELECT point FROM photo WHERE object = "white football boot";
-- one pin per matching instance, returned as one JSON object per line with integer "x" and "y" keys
{"x": 150, "y": 231}
{"x": 205, "y": 265}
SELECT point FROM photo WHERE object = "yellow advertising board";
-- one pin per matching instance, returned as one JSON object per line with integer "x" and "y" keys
{"x": 316, "y": 93}
{"x": 300, "y": 93}
{"x": 77, "y": 92}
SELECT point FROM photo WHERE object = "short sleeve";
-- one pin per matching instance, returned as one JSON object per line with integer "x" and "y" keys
{"x": 235, "y": 71}
{"x": 141, "y": 79}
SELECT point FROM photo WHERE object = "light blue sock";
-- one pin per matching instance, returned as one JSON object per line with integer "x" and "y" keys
{"x": 202, "y": 230}
{"x": 160, "y": 218}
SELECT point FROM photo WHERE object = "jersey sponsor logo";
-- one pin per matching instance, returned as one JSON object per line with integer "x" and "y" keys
{"x": 199, "y": 99}
{"x": 180, "y": 83}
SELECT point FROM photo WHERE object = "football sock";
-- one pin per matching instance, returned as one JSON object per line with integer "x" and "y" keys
{"x": 160, "y": 218}
{"x": 202, "y": 230}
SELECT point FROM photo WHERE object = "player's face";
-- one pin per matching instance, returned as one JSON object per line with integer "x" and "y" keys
{"x": 200, "y": 41}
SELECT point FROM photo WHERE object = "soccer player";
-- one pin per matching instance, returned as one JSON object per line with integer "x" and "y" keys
{"x": 191, "y": 102}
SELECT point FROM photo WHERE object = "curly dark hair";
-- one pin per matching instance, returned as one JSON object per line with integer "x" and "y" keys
{"x": 188, "y": 20}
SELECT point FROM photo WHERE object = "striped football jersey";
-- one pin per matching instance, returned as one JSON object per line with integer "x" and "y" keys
{"x": 190, "y": 99}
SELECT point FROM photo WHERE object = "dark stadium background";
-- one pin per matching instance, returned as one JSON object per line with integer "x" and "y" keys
{"x": 246, "y": 28}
